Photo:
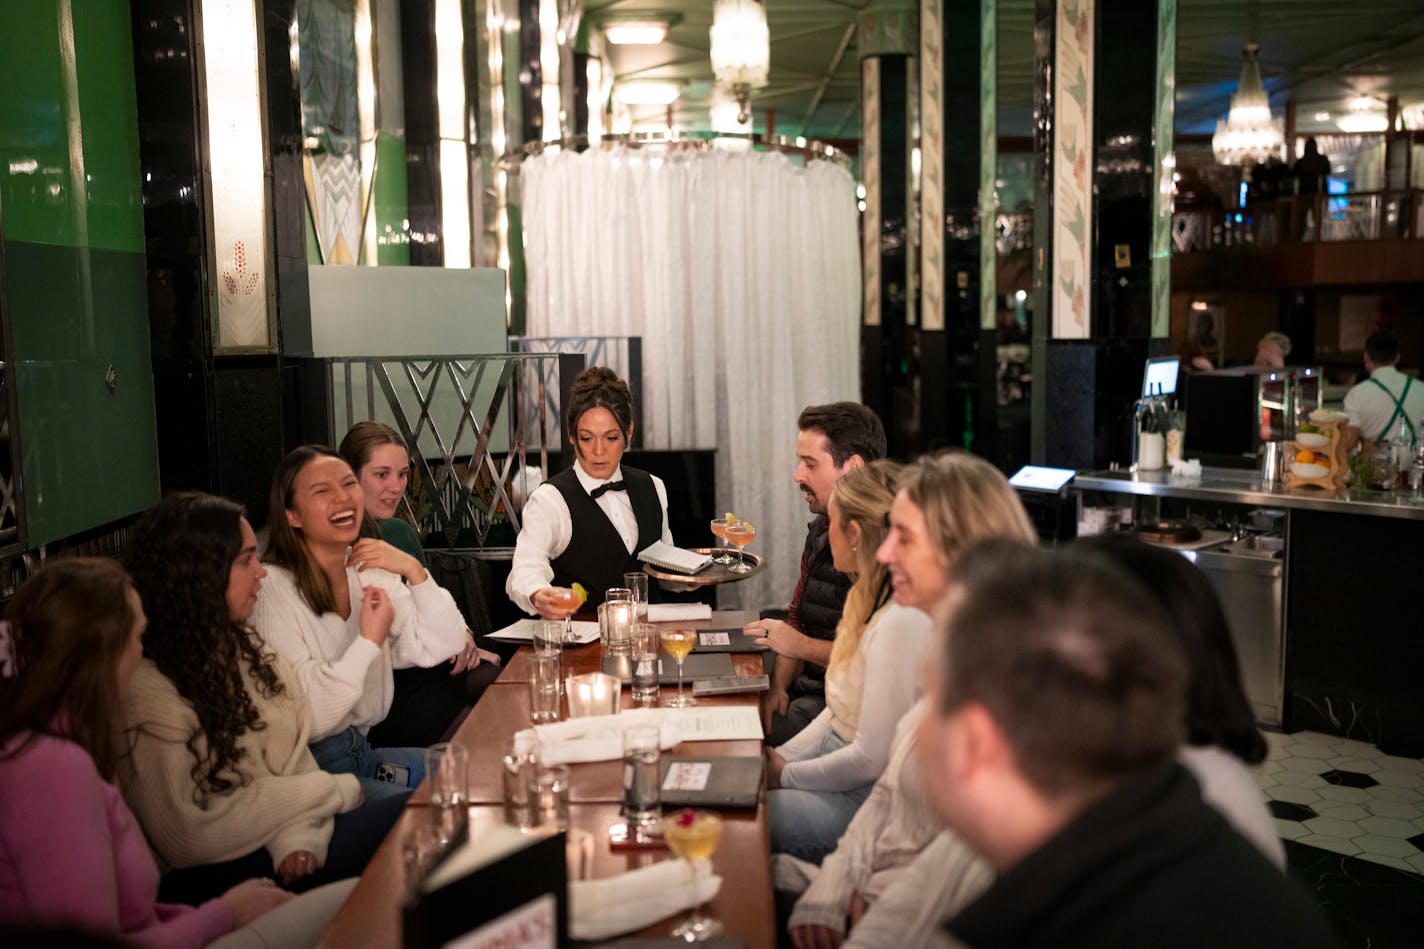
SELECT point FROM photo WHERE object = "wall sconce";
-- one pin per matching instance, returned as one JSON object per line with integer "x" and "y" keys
{"x": 238, "y": 202}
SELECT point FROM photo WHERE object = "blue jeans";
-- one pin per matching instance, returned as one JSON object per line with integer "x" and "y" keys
{"x": 809, "y": 824}
{"x": 382, "y": 771}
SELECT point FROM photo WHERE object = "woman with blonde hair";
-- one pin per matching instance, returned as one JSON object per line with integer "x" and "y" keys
{"x": 820, "y": 776}
{"x": 944, "y": 504}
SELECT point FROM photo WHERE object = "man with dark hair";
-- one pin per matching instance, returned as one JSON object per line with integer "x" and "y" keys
{"x": 832, "y": 440}
{"x": 1056, "y": 712}
{"x": 1388, "y": 397}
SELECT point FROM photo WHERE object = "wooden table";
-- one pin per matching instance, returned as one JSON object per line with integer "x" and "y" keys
{"x": 372, "y": 914}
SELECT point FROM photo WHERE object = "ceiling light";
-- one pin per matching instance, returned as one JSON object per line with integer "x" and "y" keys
{"x": 647, "y": 92}
{"x": 1364, "y": 116}
{"x": 1322, "y": 116}
{"x": 636, "y": 32}
{"x": 1249, "y": 134}
{"x": 741, "y": 49}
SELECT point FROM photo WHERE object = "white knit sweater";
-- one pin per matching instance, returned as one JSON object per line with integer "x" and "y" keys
{"x": 281, "y": 801}
{"x": 347, "y": 679}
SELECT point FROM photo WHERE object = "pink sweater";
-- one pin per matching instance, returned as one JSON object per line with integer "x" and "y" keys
{"x": 72, "y": 854}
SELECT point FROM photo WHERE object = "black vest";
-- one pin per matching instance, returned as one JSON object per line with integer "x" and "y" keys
{"x": 596, "y": 556}
{"x": 822, "y": 599}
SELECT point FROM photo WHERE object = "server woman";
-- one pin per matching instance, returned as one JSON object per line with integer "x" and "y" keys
{"x": 586, "y": 524}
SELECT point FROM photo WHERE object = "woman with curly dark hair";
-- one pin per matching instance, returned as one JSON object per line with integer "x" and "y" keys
{"x": 219, "y": 773}
{"x": 587, "y": 523}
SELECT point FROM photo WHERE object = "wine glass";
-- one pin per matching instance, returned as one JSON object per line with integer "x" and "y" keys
{"x": 569, "y": 598}
{"x": 678, "y": 643}
{"x": 739, "y": 535}
{"x": 719, "y": 531}
{"x": 694, "y": 836}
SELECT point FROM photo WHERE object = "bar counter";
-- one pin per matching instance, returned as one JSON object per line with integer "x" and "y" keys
{"x": 1344, "y": 644}
{"x": 1243, "y": 486}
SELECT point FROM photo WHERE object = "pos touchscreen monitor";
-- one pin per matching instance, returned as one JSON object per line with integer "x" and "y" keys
{"x": 1160, "y": 375}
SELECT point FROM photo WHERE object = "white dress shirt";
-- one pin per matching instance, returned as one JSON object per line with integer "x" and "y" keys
{"x": 1370, "y": 409}
{"x": 548, "y": 528}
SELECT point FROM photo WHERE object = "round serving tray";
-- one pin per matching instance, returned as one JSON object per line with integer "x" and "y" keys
{"x": 711, "y": 575}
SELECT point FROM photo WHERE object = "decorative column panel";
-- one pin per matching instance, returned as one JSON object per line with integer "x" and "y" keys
{"x": 955, "y": 407}
{"x": 422, "y": 130}
{"x": 1103, "y": 163}
{"x": 888, "y": 378}
{"x": 1164, "y": 168}
{"x": 1072, "y": 162}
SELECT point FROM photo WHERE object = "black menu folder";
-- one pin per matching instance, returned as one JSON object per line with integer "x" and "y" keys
{"x": 711, "y": 781}
{"x": 726, "y": 640}
{"x": 715, "y": 666}
{"x": 502, "y": 888}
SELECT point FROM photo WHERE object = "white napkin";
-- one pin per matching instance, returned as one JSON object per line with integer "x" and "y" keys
{"x": 1186, "y": 468}
{"x": 599, "y": 909}
{"x": 522, "y": 631}
{"x": 677, "y": 612}
{"x": 597, "y": 737}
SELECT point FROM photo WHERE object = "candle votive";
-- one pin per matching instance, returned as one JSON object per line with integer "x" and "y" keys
{"x": 594, "y": 693}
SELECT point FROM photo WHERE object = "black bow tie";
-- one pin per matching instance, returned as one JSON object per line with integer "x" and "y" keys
{"x": 603, "y": 489}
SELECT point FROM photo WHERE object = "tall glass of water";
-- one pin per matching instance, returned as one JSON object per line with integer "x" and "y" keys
{"x": 642, "y": 801}
{"x": 637, "y": 584}
{"x": 646, "y": 664}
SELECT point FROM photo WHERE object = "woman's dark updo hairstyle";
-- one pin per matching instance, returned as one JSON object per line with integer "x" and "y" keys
{"x": 599, "y": 387}
{"x": 1218, "y": 712}
{"x": 180, "y": 556}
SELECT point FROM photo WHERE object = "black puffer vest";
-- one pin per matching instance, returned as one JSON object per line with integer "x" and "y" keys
{"x": 822, "y": 599}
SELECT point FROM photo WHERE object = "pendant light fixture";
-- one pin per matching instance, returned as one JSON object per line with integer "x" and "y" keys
{"x": 1249, "y": 133}
{"x": 741, "y": 49}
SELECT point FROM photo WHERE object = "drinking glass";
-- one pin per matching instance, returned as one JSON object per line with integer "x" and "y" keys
{"x": 637, "y": 584}
{"x": 645, "y": 668}
{"x": 739, "y": 535}
{"x": 694, "y": 836}
{"x": 545, "y": 669}
{"x": 519, "y": 761}
{"x": 567, "y": 598}
{"x": 642, "y": 796}
{"x": 548, "y": 640}
{"x": 719, "y": 531}
{"x": 447, "y": 768}
{"x": 549, "y": 796}
{"x": 678, "y": 643}
{"x": 615, "y": 616}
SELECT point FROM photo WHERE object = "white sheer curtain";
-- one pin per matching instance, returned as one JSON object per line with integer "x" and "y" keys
{"x": 741, "y": 272}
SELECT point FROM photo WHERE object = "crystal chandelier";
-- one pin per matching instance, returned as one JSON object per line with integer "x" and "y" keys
{"x": 1249, "y": 134}
{"x": 741, "y": 49}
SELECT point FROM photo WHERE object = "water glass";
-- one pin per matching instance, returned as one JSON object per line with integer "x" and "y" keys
{"x": 545, "y": 671}
{"x": 548, "y": 639}
{"x": 646, "y": 666}
{"x": 594, "y": 693}
{"x": 447, "y": 769}
{"x": 549, "y": 796}
{"x": 637, "y": 584}
{"x": 520, "y": 760}
{"x": 642, "y": 799}
{"x": 615, "y": 616}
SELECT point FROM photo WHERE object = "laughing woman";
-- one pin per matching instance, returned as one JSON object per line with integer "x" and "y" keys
{"x": 347, "y": 611}
{"x": 217, "y": 768}
{"x": 426, "y": 701}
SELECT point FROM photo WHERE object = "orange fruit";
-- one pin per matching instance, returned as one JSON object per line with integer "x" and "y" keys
{"x": 1305, "y": 457}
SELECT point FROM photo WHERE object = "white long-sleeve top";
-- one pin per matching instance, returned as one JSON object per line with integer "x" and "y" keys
{"x": 891, "y": 649}
{"x": 347, "y": 679}
{"x": 548, "y": 528}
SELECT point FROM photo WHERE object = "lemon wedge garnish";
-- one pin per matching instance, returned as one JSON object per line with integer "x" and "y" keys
{"x": 582, "y": 593}
{"x": 730, "y": 518}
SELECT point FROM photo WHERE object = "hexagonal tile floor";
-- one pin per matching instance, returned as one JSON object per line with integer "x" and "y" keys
{"x": 1346, "y": 797}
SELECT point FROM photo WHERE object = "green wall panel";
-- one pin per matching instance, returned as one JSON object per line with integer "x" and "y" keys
{"x": 76, "y": 300}
{"x": 69, "y": 169}
{"x": 90, "y": 456}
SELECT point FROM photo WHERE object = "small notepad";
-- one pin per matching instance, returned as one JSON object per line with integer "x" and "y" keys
{"x": 673, "y": 558}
